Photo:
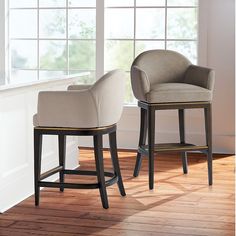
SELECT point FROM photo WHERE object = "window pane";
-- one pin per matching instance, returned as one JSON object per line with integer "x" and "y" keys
{"x": 52, "y": 3}
{"x": 25, "y": 18}
{"x": 189, "y": 49}
{"x": 52, "y": 23}
{"x": 182, "y": 23}
{"x": 82, "y": 3}
{"x": 82, "y": 55}
{"x": 82, "y": 23}
{"x": 142, "y": 46}
{"x": 150, "y": 2}
{"x": 119, "y": 23}
{"x": 24, "y": 54}
{"x": 22, "y": 3}
{"x": 120, "y": 3}
{"x": 43, "y": 74}
{"x": 118, "y": 54}
{"x": 182, "y": 2}
{"x": 53, "y": 54}
{"x": 153, "y": 27}
{"x": 23, "y": 76}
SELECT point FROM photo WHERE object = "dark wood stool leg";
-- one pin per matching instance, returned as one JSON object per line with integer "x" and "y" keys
{"x": 182, "y": 139}
{"x": 151, "y": 144}
{"x": 37, "y": 164}
{"x": 142, "y": 140}
{"x": 62, "y": 155}
{"x": 98, "y": 151}
{"x": 208, "y": 128}
{"x": 115, "y": 162}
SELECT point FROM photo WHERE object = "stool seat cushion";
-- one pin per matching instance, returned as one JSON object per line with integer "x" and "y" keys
{"x": 177, "y": 92}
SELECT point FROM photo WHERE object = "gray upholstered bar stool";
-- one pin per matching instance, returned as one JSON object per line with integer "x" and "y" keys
{"x": 84, "y": 110}
{"x": 162, "y": 80}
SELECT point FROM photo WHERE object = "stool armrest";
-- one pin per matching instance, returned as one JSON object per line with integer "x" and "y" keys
{"x": 200, "y": 76}
{"x": 79, "y": 86}
{"x": 141, "y": 83}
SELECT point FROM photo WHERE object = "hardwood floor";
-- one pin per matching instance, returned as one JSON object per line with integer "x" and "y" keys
{"x": 179, "y": 204}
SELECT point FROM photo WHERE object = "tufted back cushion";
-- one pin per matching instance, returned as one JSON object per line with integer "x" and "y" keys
{"x": 162, "y": 66}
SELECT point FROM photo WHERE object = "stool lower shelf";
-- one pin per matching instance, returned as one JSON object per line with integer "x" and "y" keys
{"x": 172, "y": 147}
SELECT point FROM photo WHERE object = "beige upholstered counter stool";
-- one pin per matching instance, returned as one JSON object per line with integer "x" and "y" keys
{"x": 163, "y": 80}
{"x": 83, "y": 110}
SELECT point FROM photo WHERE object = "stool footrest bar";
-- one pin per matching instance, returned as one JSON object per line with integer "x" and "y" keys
{"x": 113, "y": 179}
{"x": 85, "y": 172}
{"x": 51, "y": 172}
{"x": 68, "y": 185}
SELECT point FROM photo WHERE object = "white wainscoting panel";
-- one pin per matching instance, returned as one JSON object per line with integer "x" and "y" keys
{"x": 17, "y": 107}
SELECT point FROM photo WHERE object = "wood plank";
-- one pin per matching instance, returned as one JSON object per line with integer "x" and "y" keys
{"x": 53, "y": 211}
{"x": 96, "y": 219}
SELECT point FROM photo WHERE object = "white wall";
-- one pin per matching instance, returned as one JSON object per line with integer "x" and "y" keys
{"x": 17, "y": 107}
{"x": 221, "y": 57}
{"x": 216, "y": 50}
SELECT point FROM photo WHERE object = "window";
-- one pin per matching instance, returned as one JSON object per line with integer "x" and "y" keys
{"x": 133, "y": 26}
{"x": 49, "y": 38}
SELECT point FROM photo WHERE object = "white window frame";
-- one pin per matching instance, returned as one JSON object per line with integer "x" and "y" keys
{"x": 203, "y": 12}
{"x": 100, "y": 38}
{"x": 4, "y": 76}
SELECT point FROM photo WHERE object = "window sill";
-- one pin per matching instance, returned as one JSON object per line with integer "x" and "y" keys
{"x": 68, "y": 78}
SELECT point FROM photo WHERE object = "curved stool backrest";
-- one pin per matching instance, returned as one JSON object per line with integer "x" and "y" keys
{"x": 162, "y": 66}
{"x": 108, "y": 94}
{"x": 96, "y": 105}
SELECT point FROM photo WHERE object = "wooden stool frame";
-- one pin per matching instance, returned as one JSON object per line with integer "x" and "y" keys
{"x": 147, "y": 124}
{"x": 97, "y": 134}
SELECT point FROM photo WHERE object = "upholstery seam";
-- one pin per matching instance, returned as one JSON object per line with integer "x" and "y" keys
{"x": 145, "y": 79}
{"x": 94, "y": 101}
